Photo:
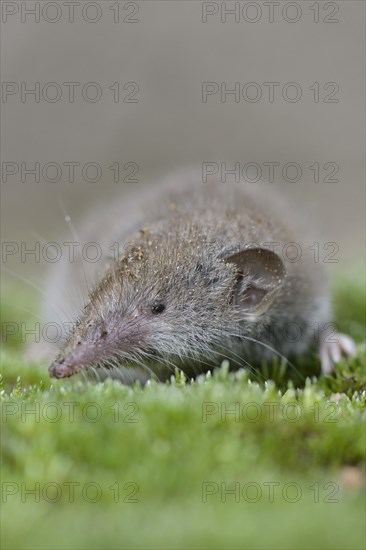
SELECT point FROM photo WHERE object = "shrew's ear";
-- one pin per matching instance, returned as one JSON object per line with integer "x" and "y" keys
{"x": 260, "y": 275}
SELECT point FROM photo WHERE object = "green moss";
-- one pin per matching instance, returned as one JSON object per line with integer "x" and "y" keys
{"x": 174, "y": 448}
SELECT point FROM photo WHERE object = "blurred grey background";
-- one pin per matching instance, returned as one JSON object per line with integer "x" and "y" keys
{"x": 168, "y": 49}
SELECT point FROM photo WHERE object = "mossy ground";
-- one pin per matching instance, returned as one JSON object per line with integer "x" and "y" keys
{"x": 157, "y": 461}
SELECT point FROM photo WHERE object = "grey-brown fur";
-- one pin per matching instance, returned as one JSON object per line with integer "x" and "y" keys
{"x": 183, "y": 239}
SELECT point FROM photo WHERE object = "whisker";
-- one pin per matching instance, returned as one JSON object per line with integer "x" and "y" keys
{"x": 35, "y": 287}
{"x": 257, "y": 374}
{"x": 274, "y": 351}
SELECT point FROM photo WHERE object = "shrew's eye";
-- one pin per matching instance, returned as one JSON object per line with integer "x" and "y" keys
{"x": 157, "y": 308}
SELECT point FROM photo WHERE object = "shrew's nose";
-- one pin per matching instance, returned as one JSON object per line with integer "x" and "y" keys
{"x": 61, "y": 369}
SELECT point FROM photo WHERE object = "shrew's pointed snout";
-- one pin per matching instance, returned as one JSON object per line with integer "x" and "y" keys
{"x": 61, "y": 369}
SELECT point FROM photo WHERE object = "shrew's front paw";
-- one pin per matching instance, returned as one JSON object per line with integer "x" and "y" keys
{"x": 331, "y": 352}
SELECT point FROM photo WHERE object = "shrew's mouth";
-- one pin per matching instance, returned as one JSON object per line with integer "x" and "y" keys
{"x": 60, "y": 369}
